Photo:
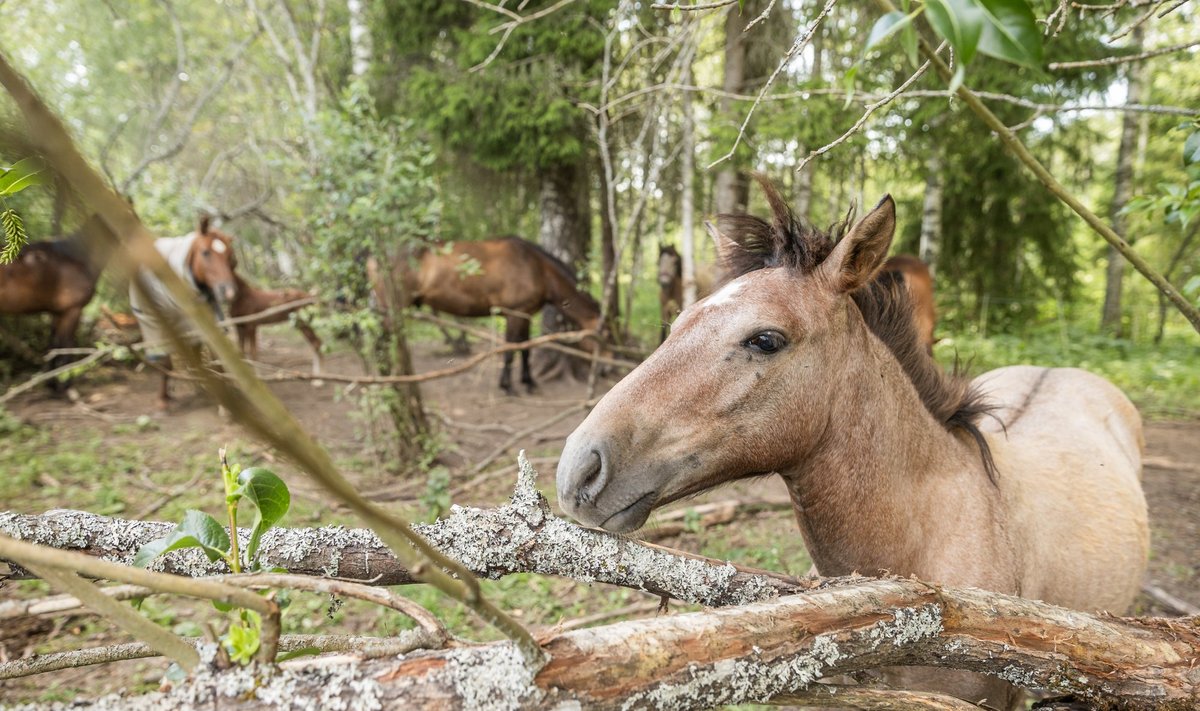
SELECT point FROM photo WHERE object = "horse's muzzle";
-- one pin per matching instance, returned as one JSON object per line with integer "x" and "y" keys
{"x": 585, "y": 490}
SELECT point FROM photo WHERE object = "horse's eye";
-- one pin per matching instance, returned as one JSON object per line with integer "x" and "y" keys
{"x": 765, "y": 342}
{"x": 205, "y": 253}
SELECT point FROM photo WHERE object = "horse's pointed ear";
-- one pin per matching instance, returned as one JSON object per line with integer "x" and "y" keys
{"x": 859, "y": 255}
{"x": 204, "y": 219}
{"x": 725, "y": 246}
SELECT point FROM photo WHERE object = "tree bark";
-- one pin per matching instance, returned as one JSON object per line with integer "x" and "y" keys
{"x": 757, "y": 653}
{"x": 608, "y": 252}
{"x": 731, "y": 188}
{"x": 931, "y": 213}
{"x": 687, "y": 198}
{"x": 565, "y": 232}
{"x": 1110, "y": 319}
{"x": 361, "y": 50}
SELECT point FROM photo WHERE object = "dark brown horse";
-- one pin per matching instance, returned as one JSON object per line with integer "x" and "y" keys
{"x": 56, "y": 277}
{"x": 505, "y": 275}
{"x": 205, "y": 261}
{"x": 806, "y": 366}
{"x": 919, "y": 281}
{"x": 670, "y": 286}
{"x": 251, "y": 300}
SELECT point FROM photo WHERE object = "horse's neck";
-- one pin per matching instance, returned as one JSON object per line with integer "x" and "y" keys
{"x": 889, "y": 489}
{"x": 566, "y": 297}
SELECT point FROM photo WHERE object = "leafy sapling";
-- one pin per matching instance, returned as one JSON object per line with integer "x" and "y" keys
{"x": 270, "y": 499}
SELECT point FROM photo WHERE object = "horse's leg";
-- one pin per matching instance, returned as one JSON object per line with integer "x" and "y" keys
{"x": 314, "y": 341}
{"x": 164, "y": 391}
{"x": 510, "y": 332}
{"x": 523, "y": 326}
{"x": 63, "y": 327}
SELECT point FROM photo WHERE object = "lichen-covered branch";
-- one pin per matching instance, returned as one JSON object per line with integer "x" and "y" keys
{"x": 754, "y": 653}
{"x": 522, "y": 536}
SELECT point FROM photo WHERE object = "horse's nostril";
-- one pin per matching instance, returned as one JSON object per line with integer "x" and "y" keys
{"x": 591, "y": 480}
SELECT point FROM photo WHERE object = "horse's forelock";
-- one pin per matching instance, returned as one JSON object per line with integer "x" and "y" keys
{"x": 783, "y": 242}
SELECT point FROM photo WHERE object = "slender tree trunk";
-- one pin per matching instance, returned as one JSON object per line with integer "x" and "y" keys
{"x": 566, "y": 233}
{"x": 687, "y": 206}
{"x": 730, "y": 185}
{"x": 608, "y": 252}
{"x": 1110, "y": 320}
{"x": 361, "y": 51}
{"x": 931, "y": 214}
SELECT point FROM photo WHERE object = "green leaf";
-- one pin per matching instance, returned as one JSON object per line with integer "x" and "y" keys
{"x": 197, "y": 530}
{"x": 271, "y": 500}
{"x": 885, "y": 27}
{"x": 244, "y": 637}
{"x": 959, "y": 22}
{"x": 1191, "y": 149}
{"x": 848, "y": 83}
{"x": 15, "y": 237}
{"x": 908, "y": 40}
{"x": 1011, "y": 32}
{"x": 21, "y": 175}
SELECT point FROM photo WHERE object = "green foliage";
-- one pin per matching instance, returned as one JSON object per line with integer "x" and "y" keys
{"x": 13, "y": 180}
{"x": 372, "y": 193}
{"x": 270, "y": 499}
{"x": 196, "y": 530}
{"x": 521, "y": 111}
{"x": 436, "y": 498}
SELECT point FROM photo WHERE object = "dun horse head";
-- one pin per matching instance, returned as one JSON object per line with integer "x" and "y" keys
{"x": 746, "y": 383}
{"x": 212, "y": 262}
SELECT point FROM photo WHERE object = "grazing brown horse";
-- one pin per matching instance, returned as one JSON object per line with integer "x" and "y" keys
{"x": 205, "y": 261}
{"x": 919, "y": 281}
{"x": 56, "y": 277}
{"x": 505, "y": 274}
{"x": 670, "y": 285}
{"x": 794, "y": 368}
{"x": 251, "y": 300}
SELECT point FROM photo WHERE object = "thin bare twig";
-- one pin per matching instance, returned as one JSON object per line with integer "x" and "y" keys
{"x": 862, "y": 120}
{"x": 1014, "y": 144}
{"x": 1110, "y": 61}
{"x": 507, "y": 28}
{"x": 797, "y": 46}
{"x": 52, "y": 374}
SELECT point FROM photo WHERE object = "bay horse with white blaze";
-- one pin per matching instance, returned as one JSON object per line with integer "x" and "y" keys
{"x": 505, "y": 275}
{"x": 802, "y": 365}
{"x": 57, "y": 277}
{"x": 205, "y": 261}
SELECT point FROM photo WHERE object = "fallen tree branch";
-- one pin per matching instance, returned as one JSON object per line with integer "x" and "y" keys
{"x": 52, "y": 374}
{"x": 520, "y": 537}
{"x": 759, "y": 652}
{"x": 362, "y": 647}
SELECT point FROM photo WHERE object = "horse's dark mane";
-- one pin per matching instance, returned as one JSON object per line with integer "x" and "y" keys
{"x": 884, "y": 303}
{"x": 559, "y": 266}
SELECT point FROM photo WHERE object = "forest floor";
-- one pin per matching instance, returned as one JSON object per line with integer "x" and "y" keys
{"x": 112, "y": 452}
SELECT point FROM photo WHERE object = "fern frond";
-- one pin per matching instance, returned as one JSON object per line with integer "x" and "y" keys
{"x": 14, "y": 236}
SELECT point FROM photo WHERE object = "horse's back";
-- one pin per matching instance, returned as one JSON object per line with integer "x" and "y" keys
{"x": 470, "y": 278}
{"x": 44, "y": 277}
{"x": 1068, "y": 446}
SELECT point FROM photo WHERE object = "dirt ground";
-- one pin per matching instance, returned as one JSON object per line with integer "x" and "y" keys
{"x": 481, "y": 430}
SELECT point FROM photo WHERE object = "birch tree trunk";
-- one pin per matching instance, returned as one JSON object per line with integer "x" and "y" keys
{"x": 565, "y": 232}
{"x": 1110, "y": 318}
{"x": 931, "y": 213}
{"x": 729, "y": 186}
{"x": 361, "y": 50}
{"x": 687, "y": 199}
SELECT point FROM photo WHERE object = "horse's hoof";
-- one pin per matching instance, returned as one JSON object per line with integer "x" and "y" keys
{"x": 531, "y": 388}
{"x": 318, "y": 383}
